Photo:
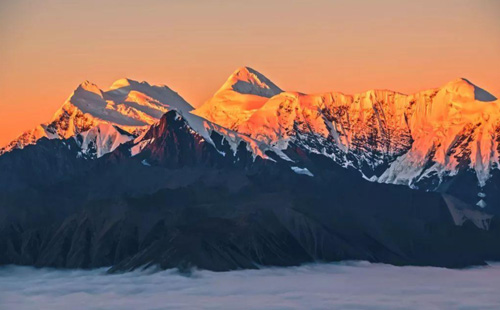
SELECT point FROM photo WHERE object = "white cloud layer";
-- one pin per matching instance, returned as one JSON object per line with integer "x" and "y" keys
{"x": 348, "y": 285}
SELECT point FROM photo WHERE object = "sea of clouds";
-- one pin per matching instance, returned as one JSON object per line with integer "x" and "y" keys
{"x": 347, "y": 285}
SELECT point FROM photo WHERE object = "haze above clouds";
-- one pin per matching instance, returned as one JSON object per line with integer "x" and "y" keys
{"x": 350, "y": 285}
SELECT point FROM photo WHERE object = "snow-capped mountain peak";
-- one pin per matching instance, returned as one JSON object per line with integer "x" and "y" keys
{"x": 246, "y": 80}
{"x": 245, "y": 91}
{"x": 90, "y": 87}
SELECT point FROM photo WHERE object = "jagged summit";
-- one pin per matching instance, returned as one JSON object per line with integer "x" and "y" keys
{"x": 88, "y": 86}
{"x": 127, "y": 83}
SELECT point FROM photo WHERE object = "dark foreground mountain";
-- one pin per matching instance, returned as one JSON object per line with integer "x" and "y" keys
{"x": 182, "y": 195}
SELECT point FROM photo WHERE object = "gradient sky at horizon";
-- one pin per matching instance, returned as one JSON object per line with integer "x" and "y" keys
{"x": 49, "y": 47}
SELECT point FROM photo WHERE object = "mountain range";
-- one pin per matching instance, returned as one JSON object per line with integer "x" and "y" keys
{"x": 135, "y": 176}
{"x": 128, "y": 106}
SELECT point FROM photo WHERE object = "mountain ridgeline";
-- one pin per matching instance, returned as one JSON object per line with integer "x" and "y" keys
{"x": 134, "y": 177}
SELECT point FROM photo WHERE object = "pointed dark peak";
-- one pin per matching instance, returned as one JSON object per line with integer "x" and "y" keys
{"x": 172, "y": 143}
{"x": 170, "y": 119}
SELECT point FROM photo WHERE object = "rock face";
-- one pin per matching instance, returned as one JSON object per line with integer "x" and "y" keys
{"x": 187, "y": 199}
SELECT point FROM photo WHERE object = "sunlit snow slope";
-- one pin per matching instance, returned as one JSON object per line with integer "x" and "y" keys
{"x": 245, "y": 91}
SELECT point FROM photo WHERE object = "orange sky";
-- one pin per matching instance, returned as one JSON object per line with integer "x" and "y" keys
{"x": 48, "y": 47}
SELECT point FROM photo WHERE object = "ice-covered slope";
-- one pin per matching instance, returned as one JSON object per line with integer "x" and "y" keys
{"x": 245, "y": 91}
{"x": 364, "y": 131}
{"x": 459, "y": 129}
{"x": 128, "y": 104}
{"x": 420, "y": 140}
{"x": 101, "y": 139}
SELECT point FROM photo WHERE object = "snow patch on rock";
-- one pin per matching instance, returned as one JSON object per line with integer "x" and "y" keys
{"x": 303, "y": 171}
